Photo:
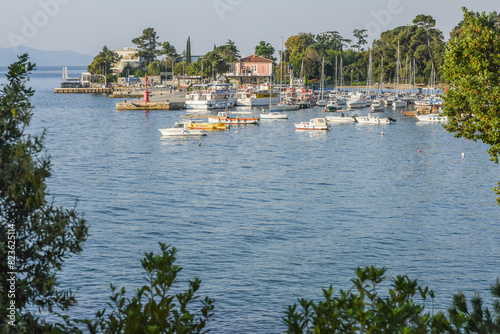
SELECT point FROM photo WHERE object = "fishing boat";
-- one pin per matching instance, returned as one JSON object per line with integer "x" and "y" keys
{"x": 180, "y": 129}
{"x": 313, "y": 124}
{"x": 207, "y": 126}
{"x": 228, "y": 118}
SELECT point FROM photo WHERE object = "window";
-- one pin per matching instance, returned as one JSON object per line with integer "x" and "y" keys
{"x": 254, "y": 68}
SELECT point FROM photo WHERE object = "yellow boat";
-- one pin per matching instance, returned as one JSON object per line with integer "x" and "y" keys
{"x": 207, "y": 126}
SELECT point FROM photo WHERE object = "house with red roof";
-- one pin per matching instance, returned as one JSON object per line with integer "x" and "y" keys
{"x": 251, "y": 70}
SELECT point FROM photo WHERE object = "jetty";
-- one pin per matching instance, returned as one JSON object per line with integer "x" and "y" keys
{"x": 163, "y": 101}
{"x": 91, "y": 90}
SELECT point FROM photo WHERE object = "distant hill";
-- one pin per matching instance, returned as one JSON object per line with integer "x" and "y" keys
{"x": 45, "y": 58}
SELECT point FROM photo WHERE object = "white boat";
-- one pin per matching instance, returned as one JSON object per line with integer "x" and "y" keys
{"x": 377, "y": 106}
{"x": 254, "y": 97}
{"x": 233, "y": 118}
{"x": 432, "y": 118}
{"x": 313, "y": 124}
{"x": 358, "y": 100}
{"x": 180, "y": 129}
{"x": 340, "y": 119}
{"x": 273, "y": 115}
{"x": 333, "y": 106}
{"x": 286, "y": 106}
{"x": 370, "y": 119}
{"x": 399, "y": 104}
{"x": 212, "y": 96}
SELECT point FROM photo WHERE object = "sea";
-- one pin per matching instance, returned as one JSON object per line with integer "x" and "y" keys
{"x": 266, "y": 215}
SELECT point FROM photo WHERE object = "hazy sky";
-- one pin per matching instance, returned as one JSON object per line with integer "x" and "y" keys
{"x": 85, "y": 26}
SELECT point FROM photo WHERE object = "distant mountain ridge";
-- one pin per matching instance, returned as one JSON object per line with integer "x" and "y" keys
{"x": 44, "y": 58}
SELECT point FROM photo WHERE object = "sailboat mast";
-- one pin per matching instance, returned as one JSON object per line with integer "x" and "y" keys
{"x": 336, "y": 82}
{"x": 281, "y": 71}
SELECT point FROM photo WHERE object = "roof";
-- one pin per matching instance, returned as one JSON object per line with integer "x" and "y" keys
{"x": 258, "y": 59}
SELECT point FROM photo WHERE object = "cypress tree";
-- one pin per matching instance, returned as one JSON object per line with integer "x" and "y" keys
{"x": 188, "y": 50}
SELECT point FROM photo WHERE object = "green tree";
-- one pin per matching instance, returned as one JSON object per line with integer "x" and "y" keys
{"x": 147, "y": 45}
{"x": 168, "y": 50}
{"x": 102, "y": 63}
{"x": 296, "y": 49}
{"x": 154, "y": 309}
{"x": 362, "y": 310}
{"x": 361, "y": 37}
{"x": 265, "y": 50}
{"x": 478, "y": 319}
{"x": 228, "y": 51}
{"x": 39, "y": 234}
{"x": 419, "y": 41}
{"x": 472, "y": 68}
{"x": 155, "y": 68}
{"x": 188, "y": 50}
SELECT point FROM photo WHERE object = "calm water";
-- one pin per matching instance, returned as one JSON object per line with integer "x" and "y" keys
{"x": 264, "y": 214}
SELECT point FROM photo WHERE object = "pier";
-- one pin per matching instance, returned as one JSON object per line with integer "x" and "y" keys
{"x": 84, "y": 90}
{"x": 162, "y": 101}
{"x": 139, "y": 105}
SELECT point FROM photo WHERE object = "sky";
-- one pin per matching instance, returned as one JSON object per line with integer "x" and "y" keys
{"x": 86, "y": 26}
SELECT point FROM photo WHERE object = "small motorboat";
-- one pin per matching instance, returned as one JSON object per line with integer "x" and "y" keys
{"x": 342, "y": 118}
{"x": 273, "y": 115}
{"x": 370, "y": 119}
{"x": 333, "y": 106}
{"x": 432, "y": 118}
{"x": 225, "y": 117}
{"x": 207, "y": 126}
{"x": 313, "y": 124}
{"x": 180, "y": 129}
{"x": 377, "y": 106}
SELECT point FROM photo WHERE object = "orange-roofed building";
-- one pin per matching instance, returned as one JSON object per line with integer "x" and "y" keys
{"x": 251, "y": 70}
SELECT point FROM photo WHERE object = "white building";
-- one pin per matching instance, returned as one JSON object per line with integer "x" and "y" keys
{"x": 128, "y": 57}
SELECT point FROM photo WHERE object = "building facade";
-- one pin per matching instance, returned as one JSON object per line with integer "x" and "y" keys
{"x": 251, "y": 70}
{"x": 128, "y": 56}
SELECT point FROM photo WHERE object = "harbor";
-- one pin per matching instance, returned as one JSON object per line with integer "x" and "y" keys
{"x": 234, "y": 200}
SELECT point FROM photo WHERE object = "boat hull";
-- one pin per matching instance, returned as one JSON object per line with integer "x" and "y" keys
{"x": 181, "y": 132}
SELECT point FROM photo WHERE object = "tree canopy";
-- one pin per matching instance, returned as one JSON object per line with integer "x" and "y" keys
{"x": 265, "y": 50}
{"x": 102, "y": 63}
{"x": 363, "y": 309}
{"x": 44, "y": 235}
{"x": 154, "y": 308}
{"x": 472, "y": 68}
{"x": 147, "y": 45}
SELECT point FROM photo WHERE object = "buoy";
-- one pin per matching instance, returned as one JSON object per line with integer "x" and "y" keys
{"x": 199, "y": 144}
{"x": 463, "y": 154}
{"x": 382, "y": 133}
{"x": 418, "y": 151}
{"x": 401, "y": 111}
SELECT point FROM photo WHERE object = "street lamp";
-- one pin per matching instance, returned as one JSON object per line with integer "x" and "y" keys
{"x": 173, "y": 68}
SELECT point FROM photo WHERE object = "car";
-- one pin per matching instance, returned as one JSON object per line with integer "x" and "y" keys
{"x": 161, "y": 86}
